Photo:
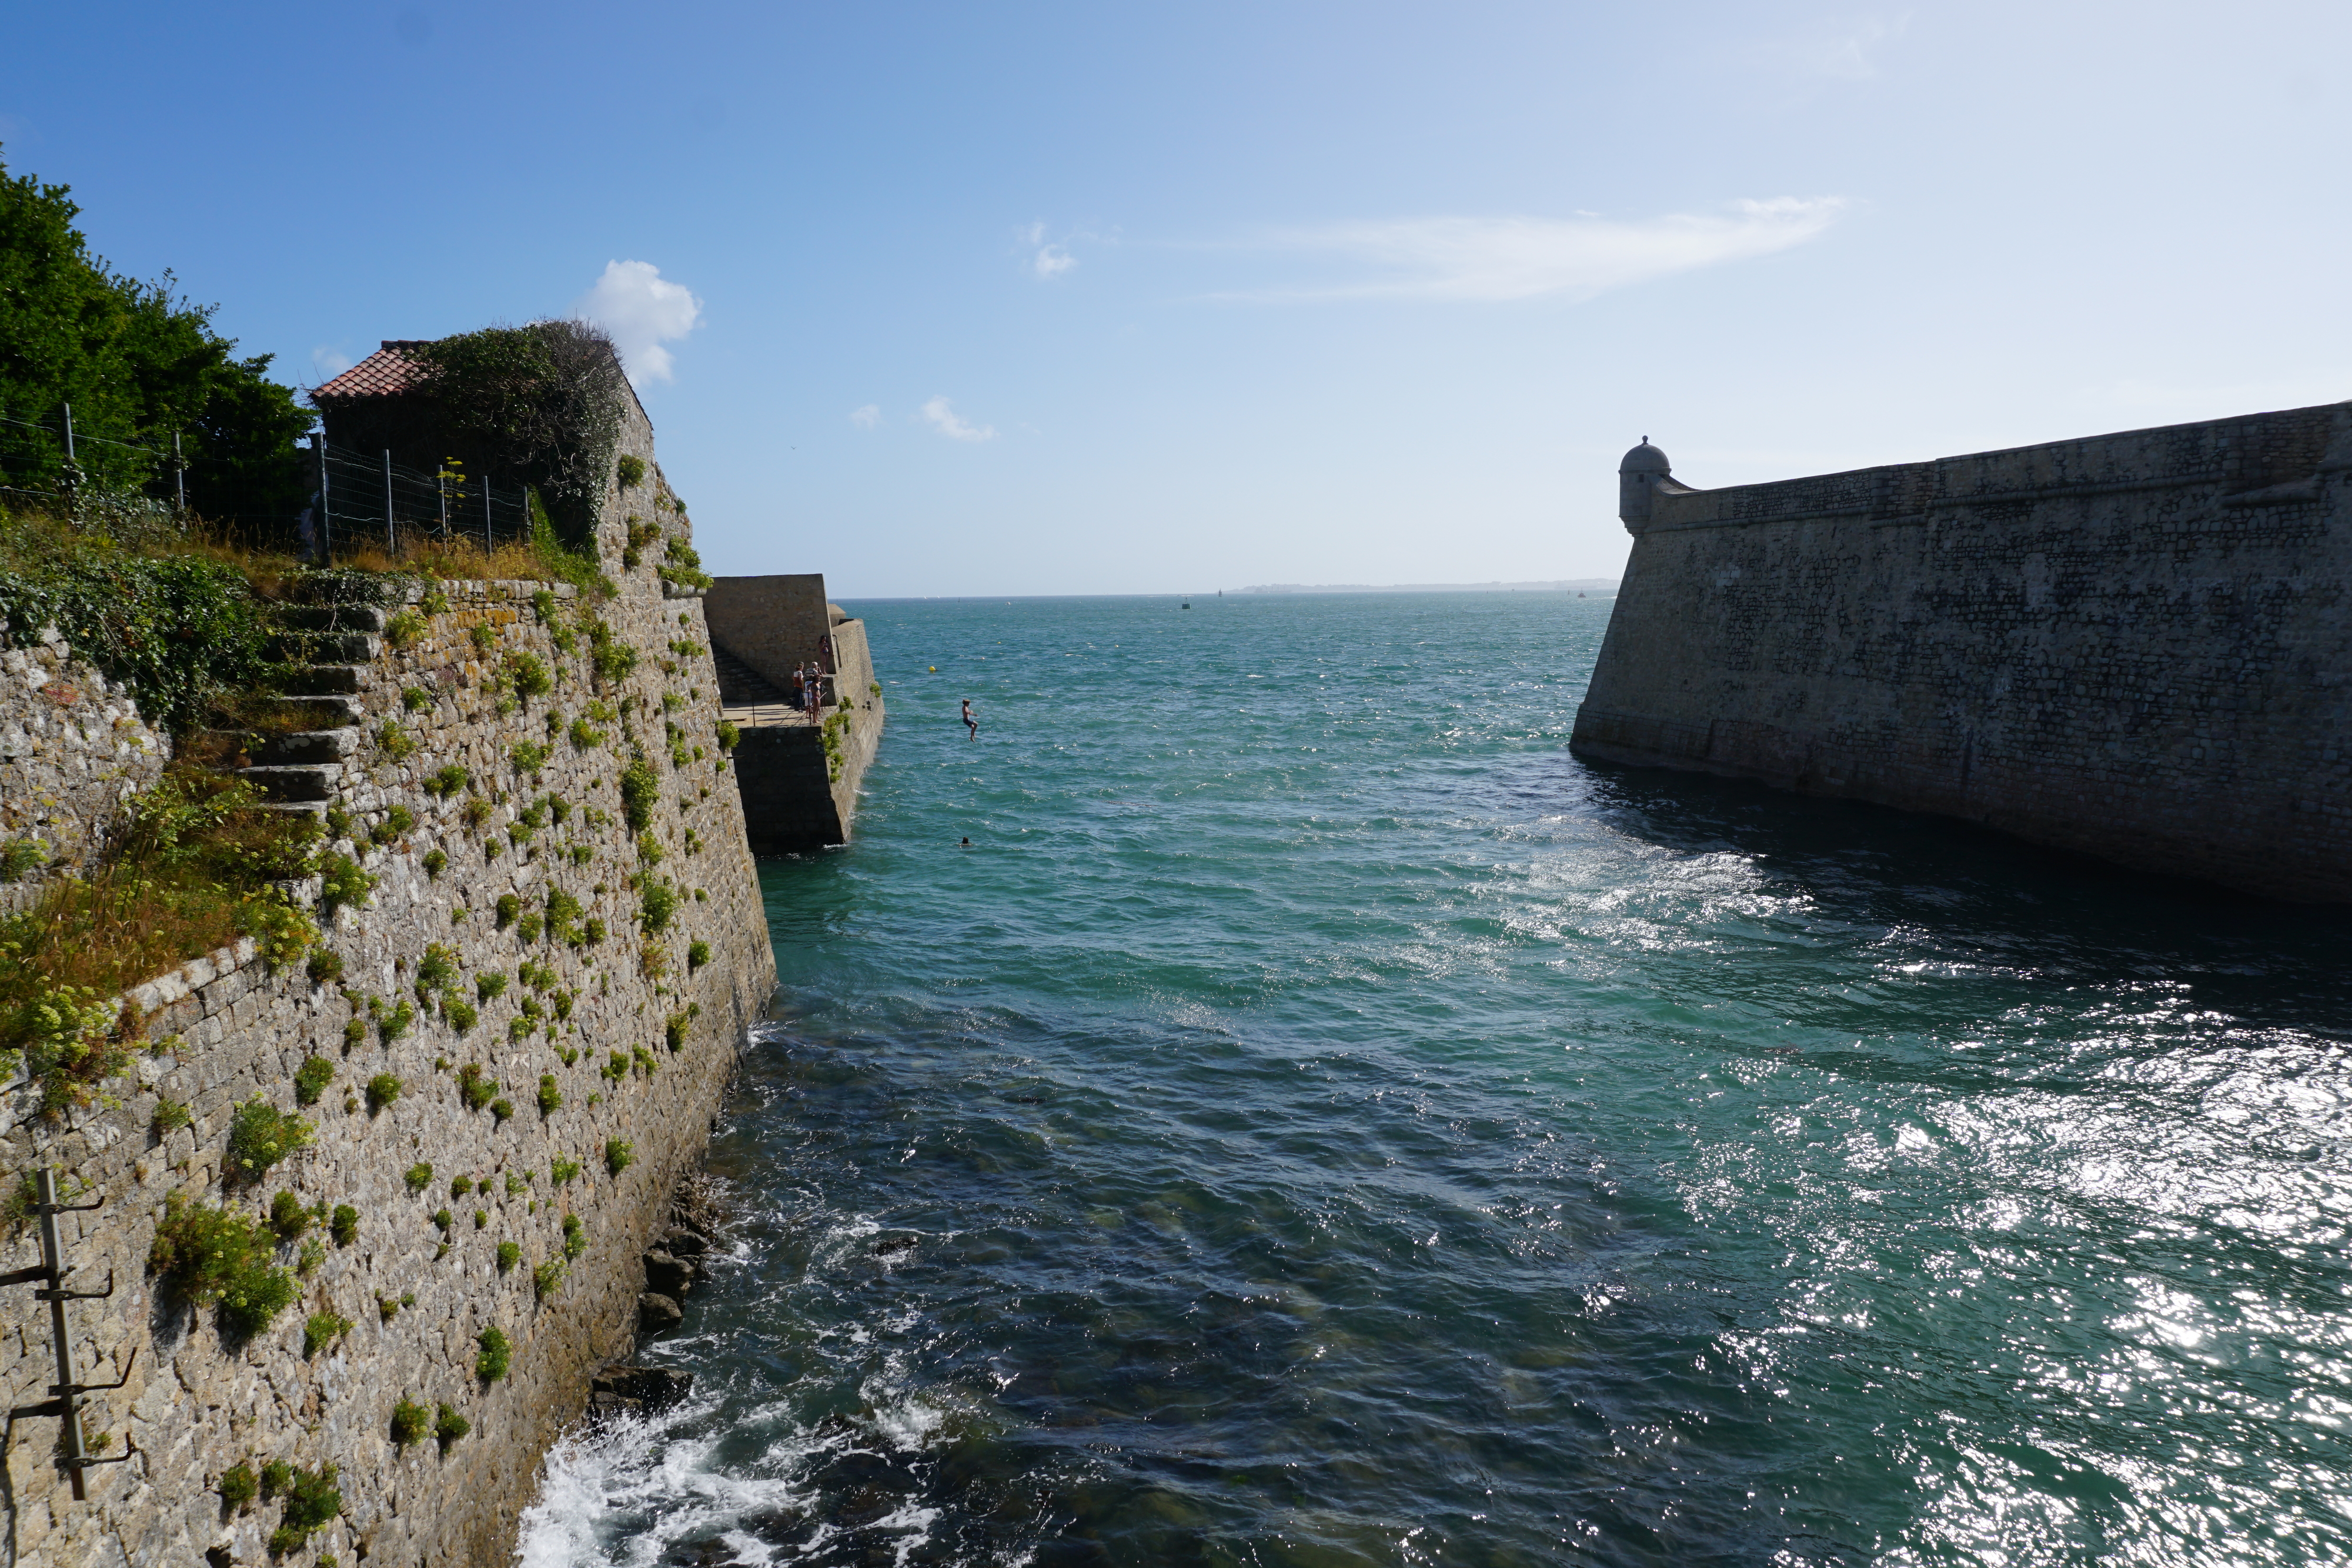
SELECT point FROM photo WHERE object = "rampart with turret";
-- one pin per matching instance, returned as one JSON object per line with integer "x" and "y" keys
{"x": 2136, "y": 646}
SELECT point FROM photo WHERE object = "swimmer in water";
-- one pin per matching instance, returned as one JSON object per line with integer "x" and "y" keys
{"x": 970, "y": 723}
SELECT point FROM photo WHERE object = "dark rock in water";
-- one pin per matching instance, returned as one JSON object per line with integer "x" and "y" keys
{"x": 666, "y": 1275}
{"x": 603, "y": 1404}
{"x": 656, "y": 1387}
{"x": 779, "y": 1527}
{"x": 680, "y": 1241}
{"x": 658, "y": 1313}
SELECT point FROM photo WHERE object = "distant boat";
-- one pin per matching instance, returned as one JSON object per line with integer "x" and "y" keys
{"x": 1187, "y": 605}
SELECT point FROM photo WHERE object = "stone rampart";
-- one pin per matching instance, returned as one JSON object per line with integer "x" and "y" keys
{"x": 799, "y": 778}
{"x": 2134, "y": 645}
{"x": 508, "y": 940}
{"x": 72, "y": 749}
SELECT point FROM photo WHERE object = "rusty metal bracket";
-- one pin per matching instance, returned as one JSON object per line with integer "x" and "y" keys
{"x": 67, "y": 1390}
{"x": 61, "y": 1294}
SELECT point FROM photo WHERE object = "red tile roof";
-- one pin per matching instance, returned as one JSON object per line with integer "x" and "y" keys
{"x": 383, "y": 374}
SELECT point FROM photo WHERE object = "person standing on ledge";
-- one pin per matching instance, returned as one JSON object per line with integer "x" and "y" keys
{"x": 970, "y": 723}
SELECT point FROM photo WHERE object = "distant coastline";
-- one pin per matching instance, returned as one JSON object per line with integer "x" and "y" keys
{"x": 1574, "y": 585}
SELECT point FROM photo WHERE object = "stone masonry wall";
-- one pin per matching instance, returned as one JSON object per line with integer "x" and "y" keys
{"x": 2139, "y": 646}
{"x": 72, "y": 749}
{"x": 795, "y": 799}
{"x": 226, "y": 1029}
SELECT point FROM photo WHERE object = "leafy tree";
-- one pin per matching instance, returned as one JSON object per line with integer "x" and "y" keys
{"x": 139, "y": 364}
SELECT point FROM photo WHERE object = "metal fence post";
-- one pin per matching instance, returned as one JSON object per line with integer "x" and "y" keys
{"x": 326, "y": 539}
{"x": 389, "y": 542}
{"x": 53, "y": 1256}
{"x": 179, "y": 471}
{"x": 490, "y": 541}
{"x": 70, "y": 451}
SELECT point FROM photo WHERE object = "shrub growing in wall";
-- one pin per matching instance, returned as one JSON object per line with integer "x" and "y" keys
{"x": 448, "y": 1426}
{"x": 322, "y": 1330}
{"x": 342, "y": 882}
{"x": 310, "y": 1080}
{"x": 497, "y": 1355}
{"x": 410, "y": 1422}
{"x": 640, "y": 792}
{"x": 476, "y": 1088}
{"x": 220, "y": 1256}
{"x": 312, "y": 1502}
{"x": 287, "y": 1217}
{"x": 527, "y": 675}
{"x": 259, "y": 1136}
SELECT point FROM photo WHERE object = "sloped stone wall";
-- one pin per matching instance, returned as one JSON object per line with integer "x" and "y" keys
{"x": 2137, "y": 646}
{"x": 72, "y": 749}
{"x": 226, "y": 1029}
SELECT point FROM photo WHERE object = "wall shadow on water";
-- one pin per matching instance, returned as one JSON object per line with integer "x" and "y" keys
{"x": 2010, "y": 902}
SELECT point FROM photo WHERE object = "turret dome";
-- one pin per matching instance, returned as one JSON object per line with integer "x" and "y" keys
{"x": 1644, "y": 459}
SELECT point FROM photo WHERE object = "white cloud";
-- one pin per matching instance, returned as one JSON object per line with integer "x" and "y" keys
{"x": 1523, "y": 258}
{"x": 948, "y": 423}
{"x": 642, "y": 310}
{"x": 1844, "y": 51}
{"x": 1048, "y": 259}
{"x": 866, "y": 417}
{"x": 328, "y": 362}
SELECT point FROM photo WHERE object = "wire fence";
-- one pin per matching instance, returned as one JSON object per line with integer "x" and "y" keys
{"x": 366, "y": 496}
{"x": 49, "y": 457}
{"x": 356, "y": 499}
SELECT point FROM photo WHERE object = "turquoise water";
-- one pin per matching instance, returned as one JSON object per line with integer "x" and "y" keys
{"x": 1317, "y": 1121}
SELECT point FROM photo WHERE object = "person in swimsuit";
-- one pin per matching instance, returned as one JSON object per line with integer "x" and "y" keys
{"x": 970, "y": 723}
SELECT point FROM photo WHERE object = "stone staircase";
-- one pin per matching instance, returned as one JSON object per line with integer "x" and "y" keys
{"x": 329, "y": 648}
{"x": 739, "y": 686}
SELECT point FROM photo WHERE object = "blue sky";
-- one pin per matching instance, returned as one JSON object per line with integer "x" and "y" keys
{"x": 1034, "y": 299}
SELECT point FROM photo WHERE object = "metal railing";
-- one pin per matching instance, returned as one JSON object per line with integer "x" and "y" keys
{"x": 362, "y": 495}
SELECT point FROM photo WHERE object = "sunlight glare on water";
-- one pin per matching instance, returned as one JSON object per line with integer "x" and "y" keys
{"x": 1321, "y": 1122}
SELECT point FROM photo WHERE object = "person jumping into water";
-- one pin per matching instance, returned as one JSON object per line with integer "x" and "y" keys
{"x": 969, "y": 723}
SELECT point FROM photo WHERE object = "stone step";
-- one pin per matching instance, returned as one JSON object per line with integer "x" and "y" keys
{"x": 321, "y": 712}
{"x": 297, "y": 781}
{"x": 303, "y": 746}
{"x": 331, "y": 618}
{"x": 325, "y": 680}
{"x": 739, "y": 686}
{"x": 325, "y": 647}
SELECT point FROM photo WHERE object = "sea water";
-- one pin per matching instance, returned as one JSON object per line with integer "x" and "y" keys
{"x": 1318, "y": 1120}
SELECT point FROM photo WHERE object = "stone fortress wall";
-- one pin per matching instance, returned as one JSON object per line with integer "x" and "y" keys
{"x": 630, "y": 1036}
{"x": 799, "y": 779}
{"x": 2137, "y": 646}
{"x": 72, "y": 749}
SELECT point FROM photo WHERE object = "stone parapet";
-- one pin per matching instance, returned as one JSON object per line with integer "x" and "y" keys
{"x": 2136, "y": 646}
